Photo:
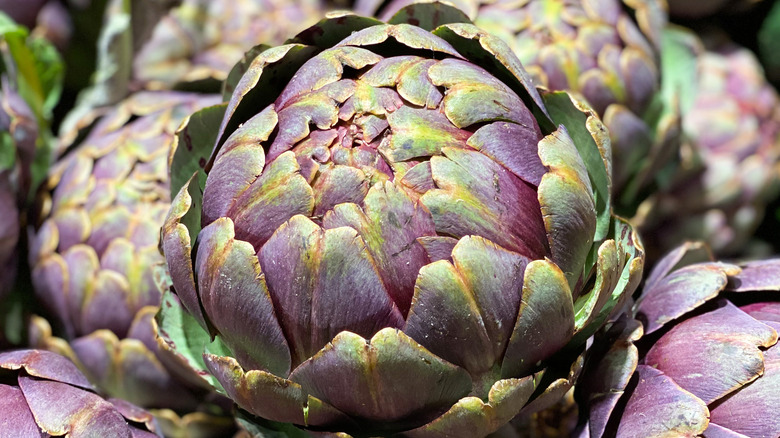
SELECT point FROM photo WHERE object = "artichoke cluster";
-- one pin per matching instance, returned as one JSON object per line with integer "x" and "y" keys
{"x": 385, "y": 219}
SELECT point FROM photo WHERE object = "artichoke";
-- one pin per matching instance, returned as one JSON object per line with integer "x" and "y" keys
{"x": 731, "y": 123}
{"x": 96, "y": 268}
{"x": 30, "y": 81}
{"x": 203, "y": 39}
{"x": 708, "y": 361}
{"x": 43, "y": 394}
{"x": 394, "y": 209}
{"x": 19, "y": 131}
{"x": 606, "y": 50}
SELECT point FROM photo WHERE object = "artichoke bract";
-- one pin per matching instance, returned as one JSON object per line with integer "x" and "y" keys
{"x": 707, "y": 361}
{"x": 200, "y": 40}
{"x": 96, "y": 267}
{"x": 388, "y": 230}
{"x": 44, "y": 394}
{"x": 731, "y": 128}
{"x": 606, "y": 50}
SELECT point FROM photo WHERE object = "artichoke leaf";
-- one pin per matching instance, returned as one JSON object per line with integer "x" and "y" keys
{"x": 481, "y": 48}
{"x": 429, "y": 15}
{"x": 592, "y": 141}
{"x": 545, "y": 321}
{"x": 471, "y": 416}
{"x": 179, "y": 333}
{"x": 192, "y": 146}
{"x": 567, "y": 205}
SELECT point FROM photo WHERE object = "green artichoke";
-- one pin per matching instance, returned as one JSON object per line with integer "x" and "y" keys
{"x": 393, "y": 209}
{"x": 606, "y": 50}
{"x": 43, "y": 394}
{"x": 203, "y": 39}
{"x": 96, "y": 268}
{"x": 707, "y": 362}
{"x": 731, "y": 122}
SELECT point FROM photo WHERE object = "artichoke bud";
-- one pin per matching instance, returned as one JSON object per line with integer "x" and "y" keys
{"x": 394, "y": 209}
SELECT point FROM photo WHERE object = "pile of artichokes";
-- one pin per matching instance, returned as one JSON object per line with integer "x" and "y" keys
{"x": 477, "y": 218}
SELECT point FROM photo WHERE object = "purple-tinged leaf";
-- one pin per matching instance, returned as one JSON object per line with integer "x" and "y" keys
{"x": 235, "y": 297}
{"x": 477, "y": 196}
{"x": 545, "y": 321}
{"x": 713, "y": 354}
{"x": 271, "y": 397}
{"x": 659, "y": 408}
{"x": 567, "y": 204}
{"x": 390, "y": 224}
{"x": 681, "y": 292}
{"x": 392, "y": 378}
{"x": 311, "y": 273}
{"x": 761, "y": 275}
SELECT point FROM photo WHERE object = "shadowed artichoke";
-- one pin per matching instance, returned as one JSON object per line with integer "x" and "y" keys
{"x": 708, "y": 361}
{"x": 606, "y": 50}
{"x": 95, "y": 262}
{"x": 30, "y": 80}
{"x": 731, "y": 121}
{"x": 19, "y": 131}
{"x": 44, "y": 394}
{"x": 397, "y": 211}
{"x": 203, "y": 39}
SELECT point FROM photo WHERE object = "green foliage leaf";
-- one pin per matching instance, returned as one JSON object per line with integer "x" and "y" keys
{"x": 182, "y": 334}
{"x": 7, "y": 151}
{"x": 239, "y": 69}
{"x": 678, "y": 67}
{"x": 194, "y": 145}
{"x": 34, "y": 68}
{"x": 769, "y": 42}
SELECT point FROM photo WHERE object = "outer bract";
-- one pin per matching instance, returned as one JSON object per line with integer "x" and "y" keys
{"x": 606, "y": 50}
{"x": 395, "y": 233}
{"x": 200, "y": 39}
{"x": 95, "y": 263}
{"x": 731, "y": 121}
{"x": 43, "y": 394}
{"x": 708, "y": 364}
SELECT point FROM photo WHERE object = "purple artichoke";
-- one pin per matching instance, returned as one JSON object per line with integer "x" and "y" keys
{"x": 43, "y": 394}
{"x": 731, "y": 121}
{"x": 19, "y": 130}
{"x": 200, "y": 39}
{"x": 394, "y": 209}
{"x": 95, "y": 262}
{"x": 708, "y": 362}
{"x": 30, "y": 80}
